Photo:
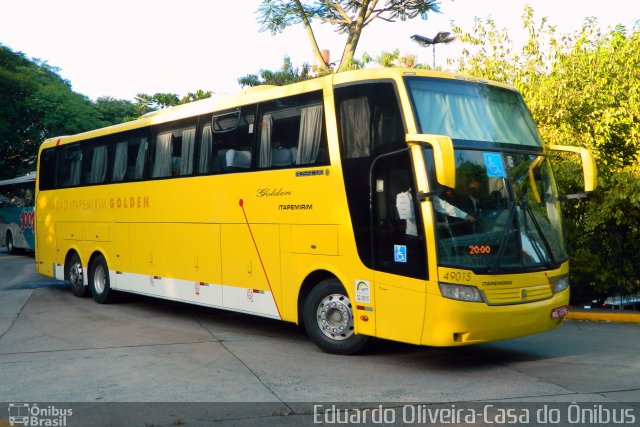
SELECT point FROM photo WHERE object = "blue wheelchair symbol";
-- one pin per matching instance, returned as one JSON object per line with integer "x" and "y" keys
{"x": 399, "y": 253}
{"x": 494, "y": 165}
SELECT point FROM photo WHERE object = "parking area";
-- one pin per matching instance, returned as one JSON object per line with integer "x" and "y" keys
{"x": 55, "y": 347}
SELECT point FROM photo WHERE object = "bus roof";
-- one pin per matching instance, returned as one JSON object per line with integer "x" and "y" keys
{"x": 30, "y": 177}
{"x": 259, "y": 94}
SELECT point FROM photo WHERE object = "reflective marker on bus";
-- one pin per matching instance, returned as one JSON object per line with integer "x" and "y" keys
{"x": 408, "y": 205}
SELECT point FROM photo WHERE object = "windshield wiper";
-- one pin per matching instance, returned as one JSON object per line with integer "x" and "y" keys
{"x": 550, "y": 259}
{"x": 505, "y": 238}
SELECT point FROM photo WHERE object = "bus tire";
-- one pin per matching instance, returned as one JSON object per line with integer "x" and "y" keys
{"x": 99, "y": 282}
{"x": 10, "y": 246}
{"x": 74, "y": 273}
{"x": 328, "y": 319}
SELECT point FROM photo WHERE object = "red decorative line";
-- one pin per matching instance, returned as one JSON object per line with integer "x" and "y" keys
{"x": 259, "y": 257}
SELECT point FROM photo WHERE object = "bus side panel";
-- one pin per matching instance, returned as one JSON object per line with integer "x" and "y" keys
{"x": 151, "y": 249}
{"x": 68, "y": 231}
{"x": 96, "y": 232}
{"x": 45, "y": 236}
{"x": 122, "y": 246}
{"x": 400, "y": 304}
{"x": 196, "y": 252}
{"x": 251, "y": 268}
{"x": 68, "y": 236}
{"x": 291, "y": 277}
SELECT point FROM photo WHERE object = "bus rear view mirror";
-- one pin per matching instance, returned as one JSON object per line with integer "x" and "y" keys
{"x": 589, "y": 173}
{"x": 444, "y": 160}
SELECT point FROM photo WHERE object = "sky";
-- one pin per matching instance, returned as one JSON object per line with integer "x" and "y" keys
{"x": 120, "y": 48}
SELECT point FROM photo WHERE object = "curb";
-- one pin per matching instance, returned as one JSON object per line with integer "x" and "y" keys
{"x": 599, "y": 316}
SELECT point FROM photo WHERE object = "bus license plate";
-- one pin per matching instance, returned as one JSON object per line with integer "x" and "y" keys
{"x": 559, "y": 312}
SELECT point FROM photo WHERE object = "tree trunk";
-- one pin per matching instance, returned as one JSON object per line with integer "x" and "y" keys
{"x": 312, "y": 38}
{"x": 355, "y": 29}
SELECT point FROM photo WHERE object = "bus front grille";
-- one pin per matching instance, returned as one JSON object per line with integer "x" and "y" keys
{"x": 519, "y": 295}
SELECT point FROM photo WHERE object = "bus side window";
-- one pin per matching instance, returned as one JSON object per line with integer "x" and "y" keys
{"x": 292, "y": 132}
{"x": 94, "y": 169}
{"x": 232, "y": 139}
{"x": 173, "y": 152}
{"x": 47, "y": 179}
{"x": 129, "y": 159}
{"x": 139, "y": 151}
{"x": 70, "y": 166}
{"x": 370, "y": 120}
{"x": 396, "y": 220}
{"x": 7, "y": 197}
{"x": 208, "y": 161}
{"x": 369, "y": 125}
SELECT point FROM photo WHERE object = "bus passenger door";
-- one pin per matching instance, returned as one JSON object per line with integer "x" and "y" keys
{"x": 399, "y": 249}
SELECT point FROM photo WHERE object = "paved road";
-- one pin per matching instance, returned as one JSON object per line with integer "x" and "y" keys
{"x": 58, "y": 348}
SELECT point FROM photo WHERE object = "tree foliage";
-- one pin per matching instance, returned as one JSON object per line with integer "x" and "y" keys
{"x": 285, "y": 75}
{"x": 583, "y": 89}
{"x": 349, "y": 17}
{"x": 115, "y": 111}
{"x": 147, "y": 103}
{"x": 36, "y": 103}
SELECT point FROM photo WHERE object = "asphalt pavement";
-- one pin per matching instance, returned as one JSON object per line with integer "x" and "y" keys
{"x": 146, "y": 362}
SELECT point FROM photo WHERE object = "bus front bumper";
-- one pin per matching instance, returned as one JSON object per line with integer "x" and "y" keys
{"x": 453, "y": 323}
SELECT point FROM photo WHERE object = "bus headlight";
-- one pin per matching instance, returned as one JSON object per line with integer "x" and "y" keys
{"x": 559, "y": 284}
{"x": 460, "y": 292}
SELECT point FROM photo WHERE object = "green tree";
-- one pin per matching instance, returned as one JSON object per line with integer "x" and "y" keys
{"x": 395, "y": 59}
{"x": 285, "y": 75}
{"x": 36, "y": 104}
{"x": 583, "y": 89}
{"x": 114, "y": 111}
{"x": 147, "y": 103}
{"x": 349, "y": 17}
{"x": 196, "y": 96}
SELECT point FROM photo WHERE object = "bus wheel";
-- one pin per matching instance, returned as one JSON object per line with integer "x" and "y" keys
{"x": 328, "y": 319}
{"x": 74, "y": 273}
{"x": 10, "y": 247}
{"x": 99, "y": 281}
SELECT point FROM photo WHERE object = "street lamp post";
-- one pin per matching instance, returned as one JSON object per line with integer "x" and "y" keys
{"x": 441, "y": 37}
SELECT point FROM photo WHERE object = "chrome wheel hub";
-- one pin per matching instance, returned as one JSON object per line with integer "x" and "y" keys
{"x": 75, "y": 274}
{"x": 335, "y": 317}
{"x": 99, "y": 279}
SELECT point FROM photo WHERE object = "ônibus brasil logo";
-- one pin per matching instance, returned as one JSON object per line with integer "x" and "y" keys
{"x": 26, "y": 414}
{"x": 27, "y": 218}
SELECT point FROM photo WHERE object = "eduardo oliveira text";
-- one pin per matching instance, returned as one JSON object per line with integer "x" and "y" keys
{"x": 478, "y": 414}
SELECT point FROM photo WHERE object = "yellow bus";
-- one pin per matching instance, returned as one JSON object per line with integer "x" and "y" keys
{"x": 407, "y": 205}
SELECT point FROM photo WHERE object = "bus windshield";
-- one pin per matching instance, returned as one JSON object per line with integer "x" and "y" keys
{"x": 503, "y": 215}
{"x": 467, "y": 111}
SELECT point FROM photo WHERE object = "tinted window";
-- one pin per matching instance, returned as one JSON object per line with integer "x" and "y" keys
{"x": 173, "y": 150}
{"x": 129, "y": 158}
{"x": 69, "y": 166}
{"x": 95, "y": 160}
{"x": 292, "y": 132}
{"x": 47, "y": 174}
{"x": 370, "y": 124}
{"x": 232, "y": 140}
